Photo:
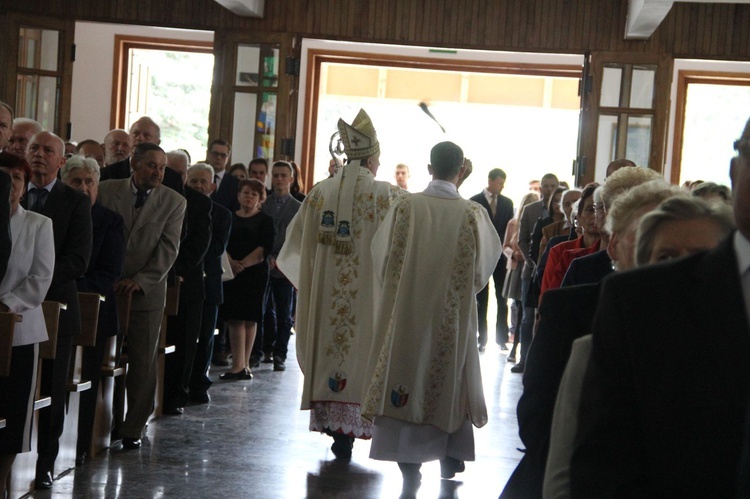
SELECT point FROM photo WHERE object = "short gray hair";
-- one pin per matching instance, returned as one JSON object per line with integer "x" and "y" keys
{"x": 203, "y": 167}
{"x": 77, "y": 161}
{"x": 627, "y": 207}
{"x": 677, "y": 209}
{"x": 32, "y": 123}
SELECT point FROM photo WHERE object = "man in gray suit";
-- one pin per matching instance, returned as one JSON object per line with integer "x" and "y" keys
{"x": 282, "y": 207}
{"x": 529, "y": 216}
{"x": 153, "y": 216}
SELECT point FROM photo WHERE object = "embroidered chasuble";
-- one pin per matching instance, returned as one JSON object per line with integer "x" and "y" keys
{"x": 326, "y": 256}
{"x": 433, "y": 253}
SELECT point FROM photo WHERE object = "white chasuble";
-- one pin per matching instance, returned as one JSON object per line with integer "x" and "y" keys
{"x": 334, "y": 307}
{"x": 432, "y": 254}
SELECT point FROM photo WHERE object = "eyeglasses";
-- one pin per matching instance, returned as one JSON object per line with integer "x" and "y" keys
{"x": 219, "y": 154}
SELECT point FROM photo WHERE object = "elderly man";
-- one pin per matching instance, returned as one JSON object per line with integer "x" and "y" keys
{"x": 425, "y": 383}
{"x": 142, "y": 131}
{"x": 6, "y": 124}
{"x": 23, "y": 130}
{"x": 70, "y": 212}
{"x": 500, "y": 210}
{"x": 666, "y": 416}
{"x": 153, "y": 218}
{"x": 116, "y": 146}
{"x": 200, "y": 178}
{"x": 91, "y": 149}
{"x": 183, "y": 330}
{"x": 327, "y": 258}
{"x": 528, "y": 218}
{"x": 105, "y": 268}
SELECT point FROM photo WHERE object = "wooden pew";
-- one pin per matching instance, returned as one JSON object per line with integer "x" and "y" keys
{"x": 115, "y": 367}
{"x": 7, "y": 323}
{"x": 24, "y": 467}
{"x": 171, "y": 308}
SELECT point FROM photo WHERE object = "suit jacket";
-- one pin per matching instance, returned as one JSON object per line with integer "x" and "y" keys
{"x": 70, "y": 212}
{"x": 663, "y": 410}
{"x": 565, "y": 314}
{"x": 29, "y": 275}
{"x": 226, "y": 194}
{"x": 152, "y": 238}
{"x": 530, "y": 214}
{"x": 189, "y": 263}
{"x": 503, "y": 211}
{"x": 588, "y": 269}
{"x": 105, "y": 266}
{"x": 221, "y": 225}
{"x": 503, "y": 215}
{"x": 121, "y": 169}
{"x": 281, "y": 221}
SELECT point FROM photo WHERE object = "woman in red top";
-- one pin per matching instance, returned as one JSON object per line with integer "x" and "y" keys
{"x": 561, "y": 255}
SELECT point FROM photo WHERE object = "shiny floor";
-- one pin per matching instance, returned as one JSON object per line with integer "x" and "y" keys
{"x": 252, "y": 441}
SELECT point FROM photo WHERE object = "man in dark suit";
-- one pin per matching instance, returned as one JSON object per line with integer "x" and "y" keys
{"x": 500, "y": 209}
{"x": 527, "y": 219}
{"x": 282, "y": 207}
{"x": 662, "y": 410}
{"x": 218, "y": 155}
{"x": 145, "y": 130}
{"x": 105, "y": 268}
{"x": 183, "y": 330}
{"x": 564, "y": 315}
{"x": 200, "y": 178}
{"x": 70, "y": 212}
{"x": 152, "y": 216}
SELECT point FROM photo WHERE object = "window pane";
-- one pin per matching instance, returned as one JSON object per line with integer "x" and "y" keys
{"x": 714, "y": 117}
{"x": 37, "y": 98}
{"x": 611, "y": 81}
{"x": 257, "y": 64}
{"x": 266, "y": 126}
{"x": 606, "y": 143}
{"x": 642, "y": 87}
{"x": 638, "y": 146}
{"x": 243, "y": 127}
{"x": 38, "y": 49}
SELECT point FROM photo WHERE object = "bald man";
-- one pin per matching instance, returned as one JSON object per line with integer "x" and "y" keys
{"x": 23, "y": 130}
{"x": 70, "y": 212}
{"x": 144, "y": 130}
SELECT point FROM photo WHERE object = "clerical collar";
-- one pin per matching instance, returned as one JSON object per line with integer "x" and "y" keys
{"x": 442, "y": 189}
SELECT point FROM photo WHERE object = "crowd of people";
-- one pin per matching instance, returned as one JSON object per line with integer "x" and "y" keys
{"x": 629, "y": 300}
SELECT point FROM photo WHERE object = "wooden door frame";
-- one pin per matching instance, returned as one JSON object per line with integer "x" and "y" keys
{"x": 684, "y": 78}
{"x": 10, "y": 24}
{"x": 660, "y": 112}
{"x": 120, "y": 66}
{"x": 221, "y": 114}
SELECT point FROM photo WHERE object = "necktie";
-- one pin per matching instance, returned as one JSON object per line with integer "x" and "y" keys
{"x": 493, "y": 205}
{"x": 40, "y": 196}
{"x": 140, "y": 199}
{"x": 217, "y": 180}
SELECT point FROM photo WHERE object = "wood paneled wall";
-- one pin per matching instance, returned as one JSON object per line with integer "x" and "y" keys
{"x": 718, "y": 31}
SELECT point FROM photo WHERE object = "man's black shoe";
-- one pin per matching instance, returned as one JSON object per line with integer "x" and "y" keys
{"x": 43, "y": 481}
{"x": 131, "y": 443}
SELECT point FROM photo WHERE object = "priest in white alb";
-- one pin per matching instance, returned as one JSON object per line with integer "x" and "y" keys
{"x": 432, "y": 254}
{"x": 326, "y": 256}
